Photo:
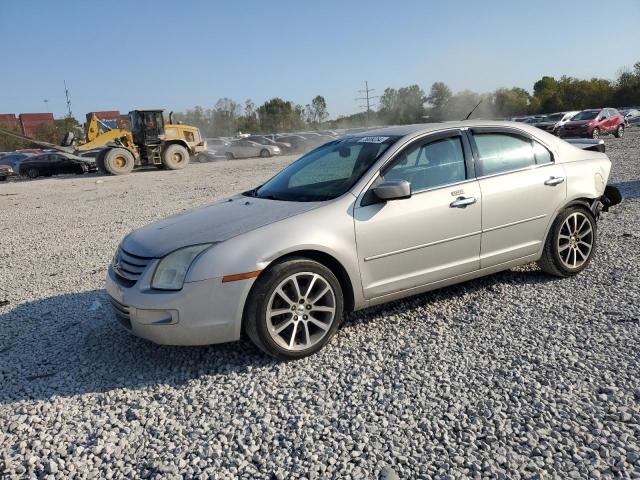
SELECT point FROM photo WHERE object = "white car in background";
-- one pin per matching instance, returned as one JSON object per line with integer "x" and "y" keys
{"x": 244, "y": 148}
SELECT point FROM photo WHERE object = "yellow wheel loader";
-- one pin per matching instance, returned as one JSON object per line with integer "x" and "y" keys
{"x": 149, "y": 142}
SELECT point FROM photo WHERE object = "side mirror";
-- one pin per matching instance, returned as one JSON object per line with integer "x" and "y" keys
{"x": 386, "y": 191}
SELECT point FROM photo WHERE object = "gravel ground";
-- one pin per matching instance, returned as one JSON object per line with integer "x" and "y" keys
{"x": 517, "y": 375}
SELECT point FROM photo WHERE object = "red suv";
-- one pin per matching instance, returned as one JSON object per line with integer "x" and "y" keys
{"x": 593, "y": 123}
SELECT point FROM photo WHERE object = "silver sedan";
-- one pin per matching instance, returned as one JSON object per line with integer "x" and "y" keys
{"x": 365, "y": 219}
{"x": 246, "y": 148}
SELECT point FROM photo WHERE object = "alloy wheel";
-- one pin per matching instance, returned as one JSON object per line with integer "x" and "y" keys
{"x": 301, "y": 311}
{"x": 575, "y": 240}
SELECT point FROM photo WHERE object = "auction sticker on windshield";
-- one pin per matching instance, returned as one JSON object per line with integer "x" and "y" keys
{"x": 372, "y": 139}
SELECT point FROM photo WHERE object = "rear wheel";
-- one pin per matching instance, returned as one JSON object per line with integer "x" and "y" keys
{"x": 118, "y": 161}
{"x": 229, "y": 156}
{"x": 264, "y": 153}
{"x": 294, "y": 309}
{"x": 33, "y": 172}
{"x": 619, "y": 131}
{"x": 570, "y": 244}
{"x": 175, "y": 157}
{"x": 595, "y": 133}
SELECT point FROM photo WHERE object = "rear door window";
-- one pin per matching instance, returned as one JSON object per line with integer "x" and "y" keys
{"x": 502, "y": 152}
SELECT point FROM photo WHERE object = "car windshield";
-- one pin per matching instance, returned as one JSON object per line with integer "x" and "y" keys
{"x": 555, "y": 117}
{"x": 586, "y": 115}
{"x": 326, "y": 172}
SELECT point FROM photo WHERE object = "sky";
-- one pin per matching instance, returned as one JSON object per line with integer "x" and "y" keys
{"x": 123, "y": 55}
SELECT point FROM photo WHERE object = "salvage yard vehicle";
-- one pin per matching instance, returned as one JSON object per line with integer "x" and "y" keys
{"x": 52, "y": 163}
{"x": 631, "y": 116}
{"x": 244, "y": 148}
{"x": 552, "y": 122}
{"x": 594, "y": 123}
{"x": 5, "y": 172}
{"x": 150, "y": 142}
{"x": 363, "y": 220}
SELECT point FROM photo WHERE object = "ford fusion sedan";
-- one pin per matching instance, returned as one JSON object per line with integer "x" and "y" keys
{"x": 362, "y": 220}
{"x": 244, "y": 148}
{"x": 593, "y": 124}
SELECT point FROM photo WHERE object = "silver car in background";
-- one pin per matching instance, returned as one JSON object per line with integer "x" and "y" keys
{"x": 365, "y": 219}
{"x": 244, "y": 148}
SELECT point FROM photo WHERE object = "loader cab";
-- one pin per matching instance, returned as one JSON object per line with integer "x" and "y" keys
{"x": 147, "y": 127}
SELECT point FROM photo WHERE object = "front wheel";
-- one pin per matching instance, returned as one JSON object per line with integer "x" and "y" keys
{"x": 175, "y": 157}
{"x": 570, "y": 244}
{"x": 595, "y": 133}
{"x": 118, "y": 161}
{"x": 264, "y": 153}
{"x": 294, "y": 309}
{"x": 33, "y": 173}
{"x": 619, "y": 131}
{"x": 229, "y": 156}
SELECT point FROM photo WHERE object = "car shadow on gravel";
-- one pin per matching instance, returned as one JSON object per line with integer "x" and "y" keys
{"x": 629, "y": 189}
{"x": 72, "y": 345}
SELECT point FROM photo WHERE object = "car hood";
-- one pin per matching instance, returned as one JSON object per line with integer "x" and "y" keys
{"x": 577, "y": 123}
{"x": 213, "y": 223}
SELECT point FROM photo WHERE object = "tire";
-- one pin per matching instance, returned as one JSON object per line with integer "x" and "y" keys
{"x": 100, "y": 161}
{"x": 295, "y": 321}
{"x": 595, "y": 133}
{"x": 619, "y": 131}
{"x": 567, "y": 253}
{"x": 175, "y": 157}
{"x": 118, "y": 161}
{"x": 264, "y": 153}
{"x": 33, "y": 173}
{"x": 229, "y": 156}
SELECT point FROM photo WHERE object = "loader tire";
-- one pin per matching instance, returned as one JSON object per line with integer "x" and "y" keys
{"x": 118, "y": 161}
{"x": 100, "y": 162}
{"x": 175, "y": 157}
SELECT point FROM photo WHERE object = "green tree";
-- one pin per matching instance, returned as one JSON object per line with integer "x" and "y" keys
{"x": 278, "y": 115}
{"x": 439, "y": 96}
{"x": 508, "y": 102}
{"x": 316, "y": 113}
{"x": 402, "y": 106}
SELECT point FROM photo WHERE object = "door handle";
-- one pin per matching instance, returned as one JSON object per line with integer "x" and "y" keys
{"x": 553, "y": 181}
{"x": 462, "y": 202}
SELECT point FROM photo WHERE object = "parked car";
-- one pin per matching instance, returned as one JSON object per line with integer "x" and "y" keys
{"x": 244, "y": 148}
{"x": 631, "y": 116}
{"x": 13, "y": 159}
{"x": 5, "y": 172}
{"x": 49, "y": 164}
{"x": 593, "y": 123}
{"x": 270, "y": 140}
{"x": 343, "y": 228}
{"x": 551, "y": 123}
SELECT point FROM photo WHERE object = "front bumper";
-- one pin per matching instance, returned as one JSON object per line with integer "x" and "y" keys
{"x": 202, "y": 313}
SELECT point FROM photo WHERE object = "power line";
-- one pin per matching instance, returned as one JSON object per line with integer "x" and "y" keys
{"x": 367, "y": 98}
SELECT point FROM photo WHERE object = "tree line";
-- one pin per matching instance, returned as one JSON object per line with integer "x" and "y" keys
{"x": 410, "y": 104}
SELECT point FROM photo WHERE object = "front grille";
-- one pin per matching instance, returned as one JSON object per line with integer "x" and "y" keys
{"x": 128, "y": 267}
{"x": 122, "y": 312}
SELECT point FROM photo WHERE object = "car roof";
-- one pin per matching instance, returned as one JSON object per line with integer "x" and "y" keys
{"x": 403, "y": 130}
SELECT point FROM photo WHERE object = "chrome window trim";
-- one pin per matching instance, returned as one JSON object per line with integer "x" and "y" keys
{"x": 391, "y": 156}
{"x": 532, "y": 167}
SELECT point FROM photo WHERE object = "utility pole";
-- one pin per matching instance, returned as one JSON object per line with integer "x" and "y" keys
{"x": 367, "y": 97}
{"x": 46, "y": 105}
{"x": 66, "y": 92}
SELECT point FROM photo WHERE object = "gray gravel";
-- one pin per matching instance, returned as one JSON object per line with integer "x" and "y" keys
{"x": 517, "y": 375}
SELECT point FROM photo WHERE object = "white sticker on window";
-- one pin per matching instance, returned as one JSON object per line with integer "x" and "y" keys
{"x": 372, "y": 139}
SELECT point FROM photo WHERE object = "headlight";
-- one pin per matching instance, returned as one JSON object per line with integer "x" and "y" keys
{"x": 172, "y": 269}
